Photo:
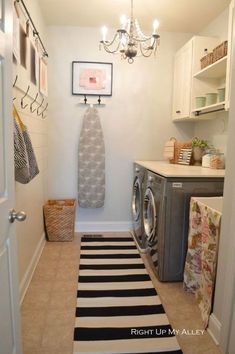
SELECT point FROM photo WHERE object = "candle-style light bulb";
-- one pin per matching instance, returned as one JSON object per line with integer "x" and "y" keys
{"x": 104, "y": 31}
{"x": 155, "y": 26}
{"x": 123, "y": 21}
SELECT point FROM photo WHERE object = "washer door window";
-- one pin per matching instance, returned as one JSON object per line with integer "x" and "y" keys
{"x": 150, "y": 216}
{"x": 136, "y": 200}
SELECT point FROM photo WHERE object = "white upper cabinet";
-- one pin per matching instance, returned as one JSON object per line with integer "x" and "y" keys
{"x": 191, "y": 81}
{"x": 182, "y": 82}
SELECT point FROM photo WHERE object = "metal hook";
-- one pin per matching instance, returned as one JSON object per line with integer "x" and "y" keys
{"x": 44, "y": 111}
{"x": 31, "y": 105}
{"x": 22, "y": 99}
{"x": 40, "y": 107}
{"x": 35, "y": 33}
{"x": 16, "y": 78}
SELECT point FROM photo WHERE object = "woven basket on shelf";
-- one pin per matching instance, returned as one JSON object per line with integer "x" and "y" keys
{"x": 220, "y": 51}
{"x": 207, "y": 60}
{"x": 178, "y": 146}
{"x": 59, "y": 219}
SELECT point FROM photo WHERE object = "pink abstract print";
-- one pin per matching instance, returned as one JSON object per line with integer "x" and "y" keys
{"x": 92, "y": 79}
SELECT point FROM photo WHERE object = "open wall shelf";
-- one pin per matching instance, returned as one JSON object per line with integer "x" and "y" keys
{"x": 216, "y": 70}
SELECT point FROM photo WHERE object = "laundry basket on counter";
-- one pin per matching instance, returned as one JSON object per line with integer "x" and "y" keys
{"x": 59, "y": 219}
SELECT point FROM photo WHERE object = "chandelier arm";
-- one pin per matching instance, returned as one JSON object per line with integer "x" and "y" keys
{"x": 145, "y": 51}
{"x": 109, "y": 43}
{"x": 109, "y": 50}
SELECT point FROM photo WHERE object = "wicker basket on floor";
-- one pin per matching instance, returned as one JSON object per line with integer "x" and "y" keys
{"x": 59, "y": 219}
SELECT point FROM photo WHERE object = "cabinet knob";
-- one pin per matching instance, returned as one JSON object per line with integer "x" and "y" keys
{"x": 178, "y": 112}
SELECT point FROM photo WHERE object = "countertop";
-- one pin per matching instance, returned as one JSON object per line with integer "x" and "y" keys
{"x": 166, "y": 169}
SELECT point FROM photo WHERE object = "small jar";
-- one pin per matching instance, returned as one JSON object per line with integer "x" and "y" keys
{"x": 206, "y": 160}
{"x": 217, "y": 161}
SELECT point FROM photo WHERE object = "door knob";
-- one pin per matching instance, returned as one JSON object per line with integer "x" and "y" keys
{"x": 13, "y": 215}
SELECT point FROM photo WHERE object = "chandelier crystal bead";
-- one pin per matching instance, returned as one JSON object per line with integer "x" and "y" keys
{"x": 129, "y": 41}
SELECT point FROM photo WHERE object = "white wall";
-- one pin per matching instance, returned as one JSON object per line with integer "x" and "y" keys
{"x": 215, "y": 130}
{"x": 136, "y": 120}
{"x": 30, "y": 197}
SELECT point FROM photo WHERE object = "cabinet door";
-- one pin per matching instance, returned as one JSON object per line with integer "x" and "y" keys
{"x": 182, "y": 82}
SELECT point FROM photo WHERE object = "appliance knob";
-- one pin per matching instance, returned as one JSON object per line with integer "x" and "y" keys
{"x": 150, "y": 179}
{"x": 137, "y": 170}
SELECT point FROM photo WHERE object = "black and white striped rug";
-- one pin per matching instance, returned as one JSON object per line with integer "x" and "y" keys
{"x": 118, "y": 309}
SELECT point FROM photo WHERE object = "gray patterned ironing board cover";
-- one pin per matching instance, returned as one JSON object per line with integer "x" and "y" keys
{"x": 91, "y": 162}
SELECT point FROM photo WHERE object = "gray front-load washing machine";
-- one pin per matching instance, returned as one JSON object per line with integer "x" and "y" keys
{"x": 138, "y": 190}
{"x": 166, "y": 219}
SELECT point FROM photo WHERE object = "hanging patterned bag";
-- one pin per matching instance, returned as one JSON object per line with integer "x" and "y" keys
{"x": 26, "y": 167}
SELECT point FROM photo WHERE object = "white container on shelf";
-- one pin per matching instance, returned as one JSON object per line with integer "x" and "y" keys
{"x": 206, "y": 160}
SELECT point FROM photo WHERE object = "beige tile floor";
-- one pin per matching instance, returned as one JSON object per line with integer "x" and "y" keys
{"x": 48, "y": 309}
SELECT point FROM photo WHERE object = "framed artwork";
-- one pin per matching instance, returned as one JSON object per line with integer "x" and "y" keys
{"x": 91, "y": 78}
{"x": 16, "y": 37}
{"x": 185, "y": 156}
{"x": 23, "y": 47}
{"x": 43, "y": 77}
{"x": 33, "y": 67}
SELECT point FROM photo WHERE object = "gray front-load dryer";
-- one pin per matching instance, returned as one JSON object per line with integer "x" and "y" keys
{"x": 166, "y": 219}
{"x": 138, "y": 189}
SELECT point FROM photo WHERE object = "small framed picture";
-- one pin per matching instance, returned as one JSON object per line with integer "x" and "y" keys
{"x": 185, "y": 156}
{"x": 91, "y": 78}
{"x": 43, "y": 76}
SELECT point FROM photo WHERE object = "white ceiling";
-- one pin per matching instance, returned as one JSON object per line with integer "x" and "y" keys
{"x": 174, "y": 15}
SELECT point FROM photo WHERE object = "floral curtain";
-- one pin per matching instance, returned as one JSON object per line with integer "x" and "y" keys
{"x": 201, "y": 259}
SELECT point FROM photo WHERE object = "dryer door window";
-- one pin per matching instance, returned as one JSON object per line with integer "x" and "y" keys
{"x": 150, "y": 215}
{"x": 136, "y": 200}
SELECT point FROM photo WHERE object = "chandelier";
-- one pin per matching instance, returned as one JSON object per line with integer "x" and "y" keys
{"x": 130, "y": 41}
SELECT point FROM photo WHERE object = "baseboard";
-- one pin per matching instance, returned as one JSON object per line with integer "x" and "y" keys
{"x": 214, "y": 328}
{"x": 24, "y": 284}
{"x": 102, "y": 226}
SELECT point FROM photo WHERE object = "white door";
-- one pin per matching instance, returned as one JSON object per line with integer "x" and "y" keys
{"x": 9, "y": 305}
